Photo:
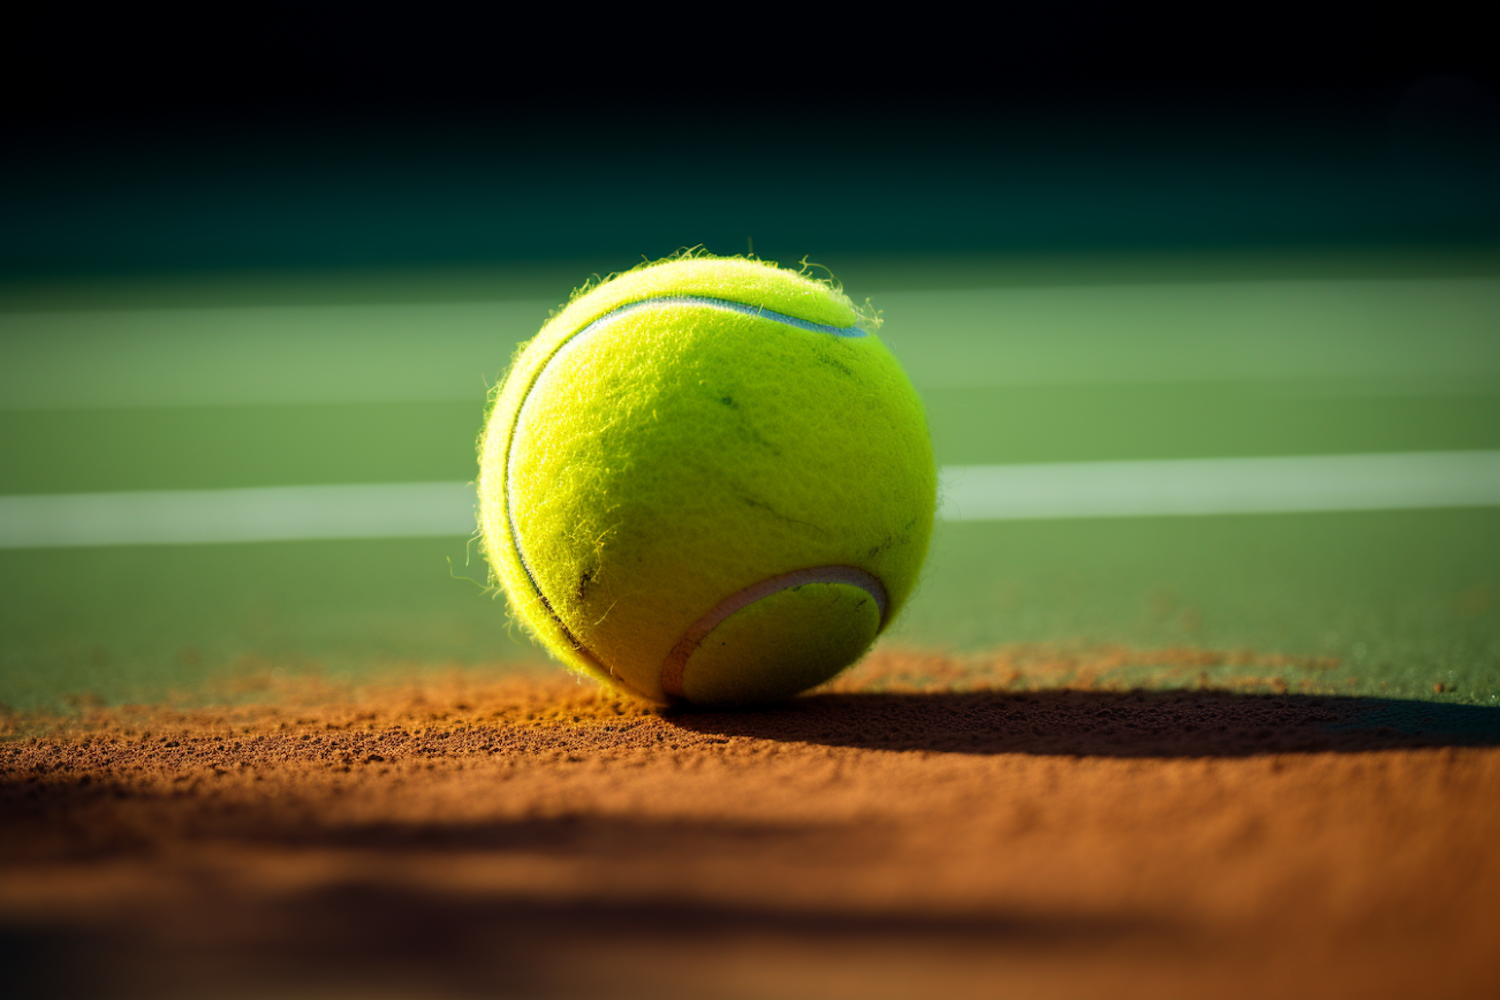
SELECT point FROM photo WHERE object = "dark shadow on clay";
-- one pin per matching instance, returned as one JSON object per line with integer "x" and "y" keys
{"x": 1107, "y": 723}
{"x": 379, "y": 929}
{"x": 391, "y": 940}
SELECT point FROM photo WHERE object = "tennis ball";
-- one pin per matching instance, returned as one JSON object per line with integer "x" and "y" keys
{"x": 706, "y": 479}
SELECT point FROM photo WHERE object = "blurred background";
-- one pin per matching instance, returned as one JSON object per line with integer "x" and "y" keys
{"x": 291, "y": 253}
{"x": 135, "y": 148}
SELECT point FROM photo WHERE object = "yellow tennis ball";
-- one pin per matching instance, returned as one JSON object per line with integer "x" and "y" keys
{"x": 707, "y": 479}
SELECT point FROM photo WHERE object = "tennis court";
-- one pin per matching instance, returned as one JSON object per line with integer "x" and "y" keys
{"x": 1290, "y": 464}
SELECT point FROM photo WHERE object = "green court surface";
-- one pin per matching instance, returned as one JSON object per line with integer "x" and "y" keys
{"x": 246, "y": 381}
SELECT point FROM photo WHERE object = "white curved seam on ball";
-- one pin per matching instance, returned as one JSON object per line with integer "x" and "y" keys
{"x": 675, "y": 664}
{"x": 850, "y": 332}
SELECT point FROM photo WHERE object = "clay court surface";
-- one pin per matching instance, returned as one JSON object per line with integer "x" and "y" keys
{"x": 518, "y": 834}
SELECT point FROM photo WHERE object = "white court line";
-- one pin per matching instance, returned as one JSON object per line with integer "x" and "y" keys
{"x": 264, "y": 514}
{"x": 1165, "y": 488}
{"x": 1201, "y": 486}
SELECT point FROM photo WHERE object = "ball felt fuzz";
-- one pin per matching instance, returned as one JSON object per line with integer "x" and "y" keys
{"x": 706, "y": 479}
